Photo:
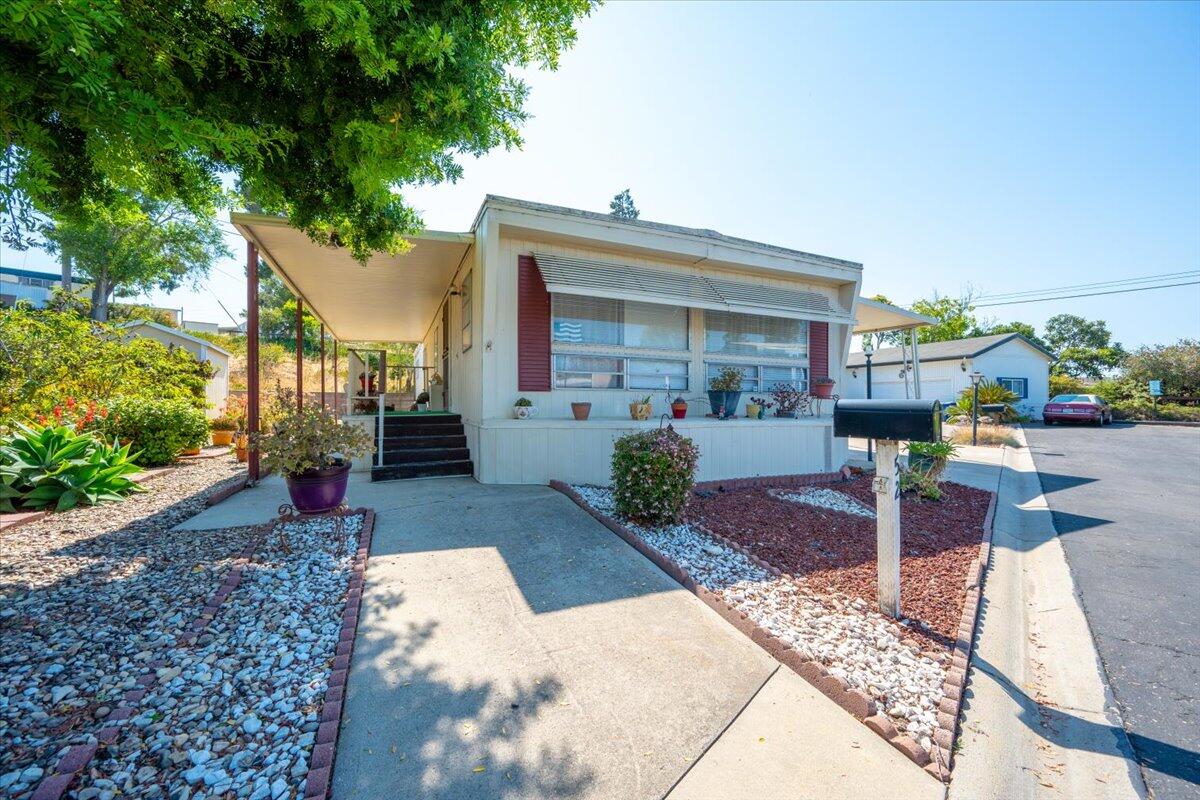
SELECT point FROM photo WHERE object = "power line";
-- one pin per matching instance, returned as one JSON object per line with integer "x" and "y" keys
{"x": 1091, "y": 285}
{"x": 1089, "y": 294}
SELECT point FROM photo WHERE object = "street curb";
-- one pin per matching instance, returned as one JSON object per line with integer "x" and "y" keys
{"x": 318, "y": 782}
{"x": 854, "y": 701}
{"x": 1179, "y": 423}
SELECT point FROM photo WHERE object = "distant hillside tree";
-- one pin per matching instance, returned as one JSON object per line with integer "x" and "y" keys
{"x": 1083, "y": 348}
{"x": 1176, "y": 365}
{"x": 622, "y": 205}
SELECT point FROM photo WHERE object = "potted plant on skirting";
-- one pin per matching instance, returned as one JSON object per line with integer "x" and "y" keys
{"x": 822, "y": 388}
{"x": 423, "y": 401}
{"x": 313, "y": 451}
{"x": 788, "y": 398}
{"x": 223, "y": 428}
{"x": 724, "y": 392}
{"x": 679, "y": 407}
{"x": 931, "y": 457}
{"x": 581, "y": 410}
{"x": 757, "y": 407}
{"x": 524, "y": 408}
{"x": 640, "y": 409}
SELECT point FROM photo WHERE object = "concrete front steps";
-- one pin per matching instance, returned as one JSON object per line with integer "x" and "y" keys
{"x": 423, "y": 446}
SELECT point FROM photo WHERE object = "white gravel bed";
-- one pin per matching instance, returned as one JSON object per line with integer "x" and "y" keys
{"x": 824, "y": 498}
{"x": 237, "y": 714}
{"x": 87, "y": 598}
{"x": 854, "y": 643}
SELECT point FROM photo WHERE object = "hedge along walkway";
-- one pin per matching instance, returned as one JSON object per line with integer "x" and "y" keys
{"x": 87, "y": 596}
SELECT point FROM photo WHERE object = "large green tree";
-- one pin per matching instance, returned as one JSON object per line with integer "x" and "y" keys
{"x": 135, "y": 244}
{"x": 622, "y": 206}
{"x": 1023, "y": 328}
{"x": 320, "y": 109}
{"x": 1176, "y": 365}
{"x": 1083, "y": 348}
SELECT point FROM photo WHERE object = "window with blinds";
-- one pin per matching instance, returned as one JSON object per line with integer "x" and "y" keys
{"x": 754, "y": 335}
{"x": 618, "y": 323}
{"x": 762, "y": 378}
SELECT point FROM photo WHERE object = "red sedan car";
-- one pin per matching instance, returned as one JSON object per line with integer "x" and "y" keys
{"x": 1077, "y": 408}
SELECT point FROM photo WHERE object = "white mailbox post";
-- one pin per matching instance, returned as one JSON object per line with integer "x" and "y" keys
{"x": 887, "y": 521}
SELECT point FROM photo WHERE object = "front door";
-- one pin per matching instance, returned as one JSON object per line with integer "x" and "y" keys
{"x": 446, "y": 355}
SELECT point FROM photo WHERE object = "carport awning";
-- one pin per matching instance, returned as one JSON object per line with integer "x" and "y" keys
{"x": 875, "y": 316}
{"x": 389, "y": 299}
{"x": 593, "y": 278}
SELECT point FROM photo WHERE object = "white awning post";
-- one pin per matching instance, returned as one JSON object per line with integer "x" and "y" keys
{"x": 916, "y": 364}
{"x": 887, "y": 525}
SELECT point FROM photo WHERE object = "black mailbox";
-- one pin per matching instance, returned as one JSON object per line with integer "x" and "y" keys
{"x": 903, "y": 420}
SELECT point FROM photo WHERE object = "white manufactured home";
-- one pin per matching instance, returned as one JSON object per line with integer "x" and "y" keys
{"x": 217, "y": 389}
{"x": 561, "y": 306}
{"x": 945, "y": 370}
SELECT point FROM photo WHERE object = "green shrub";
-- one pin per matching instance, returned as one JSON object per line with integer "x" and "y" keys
{"x": 990, "y": 393}
{"x": 54, "y": 466}
{"x": 1067, "y": 384}
{"x": 158, "y": 429}
{"x": 924, "y": 484}
{"x": 936, "y": 454}
{"x": 652, "y": 473}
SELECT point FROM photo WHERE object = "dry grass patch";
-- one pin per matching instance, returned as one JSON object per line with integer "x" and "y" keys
{"x": 990, "y": 435}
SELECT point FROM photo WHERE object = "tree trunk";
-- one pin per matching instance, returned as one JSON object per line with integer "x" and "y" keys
{"x": 100, "y": 293}
{"x": 66, "y": 270}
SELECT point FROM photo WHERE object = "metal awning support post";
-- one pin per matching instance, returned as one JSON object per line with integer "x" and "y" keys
{"x": 337, "y": 399}
{"x": 252, "y": 366}
{"x": 299, "y": 354}
{"x": 322, "y": 366}
{"x": 912, "y": 332}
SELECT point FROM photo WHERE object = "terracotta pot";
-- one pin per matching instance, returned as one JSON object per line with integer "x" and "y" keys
{"x": 315, "y": 491}
{"x": 753, "y": 410}
{"x": 640, "y": 411}
{"x": 222, "y": 438}
{"x": 242, "y": 446}
{"x": 678, "y": 410}
{"x": 822, "y": 390}
{"x": 243, "y": 454}
{"x": 191, "y": 451}
{"x": 581, "y": 410}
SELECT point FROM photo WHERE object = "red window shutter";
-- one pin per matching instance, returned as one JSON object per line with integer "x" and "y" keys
{"x": 818, "y": 350}
{"x": 533, "y": 328}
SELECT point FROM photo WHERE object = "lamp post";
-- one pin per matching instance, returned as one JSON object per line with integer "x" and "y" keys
{"x": 976, "y": 377}
{"x": 868, "y": 351}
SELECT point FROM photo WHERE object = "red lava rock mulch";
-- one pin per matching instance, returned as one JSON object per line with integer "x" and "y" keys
{"x": 832, "y": 551}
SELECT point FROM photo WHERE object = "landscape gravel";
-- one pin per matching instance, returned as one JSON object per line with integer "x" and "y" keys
{"x": 237, "y": 714}
{"x": 824, "y": 498}
{"x": 87, "y": 598}
{"x": 872, "y": 653}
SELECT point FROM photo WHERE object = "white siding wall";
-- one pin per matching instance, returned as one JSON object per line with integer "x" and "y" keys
{"x": 1017, "y": 360}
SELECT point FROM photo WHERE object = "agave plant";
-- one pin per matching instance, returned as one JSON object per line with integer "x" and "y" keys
{"x": 990, "y": 393}
{"x": 55, "y": 466}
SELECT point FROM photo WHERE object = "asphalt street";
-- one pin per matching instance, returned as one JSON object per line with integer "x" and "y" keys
{"x": 1126, "y": 504}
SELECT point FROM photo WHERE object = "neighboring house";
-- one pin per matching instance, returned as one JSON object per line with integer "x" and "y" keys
{"x": 560, "y": 305}
{"x": 945, "y": 367}
{"x": 27, "y": 284}
{"x": 203, "y": 327}
{"x": 218, "y": 385}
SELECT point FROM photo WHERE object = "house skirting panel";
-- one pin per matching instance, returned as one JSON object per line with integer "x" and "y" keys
{"x": 538, "y": 451}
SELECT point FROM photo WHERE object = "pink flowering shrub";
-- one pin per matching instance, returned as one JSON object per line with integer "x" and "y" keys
{"x": 652, "y": 473}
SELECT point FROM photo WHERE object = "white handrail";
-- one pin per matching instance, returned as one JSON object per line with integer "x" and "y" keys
{"x": 379, "y": 448}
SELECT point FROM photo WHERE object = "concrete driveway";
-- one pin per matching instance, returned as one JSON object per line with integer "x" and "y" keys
{"x": 1126, "y": 504}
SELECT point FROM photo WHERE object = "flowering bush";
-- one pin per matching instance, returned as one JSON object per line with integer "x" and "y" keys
{"x": 310, "y": 439}
{"x": 79, "y": 416}
{"x": 652, "y": 473}
{"x": 160, "y": 429}
{"x": 787, "y": 397}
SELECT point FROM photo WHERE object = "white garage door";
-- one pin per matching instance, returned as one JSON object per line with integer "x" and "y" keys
{"x": 931, "y": 389}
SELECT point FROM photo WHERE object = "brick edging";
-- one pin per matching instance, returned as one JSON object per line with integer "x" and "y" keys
{"x": 79, "y": 756}
{"x": 856, "y": 702}
{"x": 955, "y": 684}
{"x": 777, "y": 481}
{"x": 26, "y": 517}
{"x": 228, "y": 492}
{"x": 318, "y": 781}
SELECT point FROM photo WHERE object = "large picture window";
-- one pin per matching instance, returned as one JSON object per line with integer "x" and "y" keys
{"x": 573, "y": 371}
{"x": 753, "y": 335}
{"x": 618, "y": 323}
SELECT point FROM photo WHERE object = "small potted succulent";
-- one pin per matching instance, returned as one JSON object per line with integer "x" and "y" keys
{"x": 581, "y": 410}
{"x": 524, "y": 408}
{"x": 313, "y": 451}
{"x": 724, "y": 392}
{"x": 931, "y": 457}
{"x": 757, "y": 407}
{"x": 679, "y": 407}
{"x": 423, "y": 401}
{"x": 788, "y": 399}
{"x": 640, "y": 409}
{"x": 822, "y": 388}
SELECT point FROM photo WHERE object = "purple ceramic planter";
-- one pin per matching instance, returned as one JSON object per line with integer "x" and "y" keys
{"x": 316, "y": 491}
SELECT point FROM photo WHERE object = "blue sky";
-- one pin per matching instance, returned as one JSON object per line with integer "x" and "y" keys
{"x": 1002, "y": 147}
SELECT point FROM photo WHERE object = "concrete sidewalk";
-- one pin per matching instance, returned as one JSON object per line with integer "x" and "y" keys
{"x": 1038, "y": 717}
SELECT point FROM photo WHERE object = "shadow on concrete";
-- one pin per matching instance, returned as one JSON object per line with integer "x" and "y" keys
{"x": 1057, "y": 482}
{"x": 456, "y": 738}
